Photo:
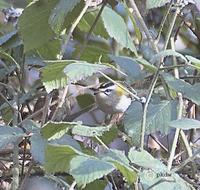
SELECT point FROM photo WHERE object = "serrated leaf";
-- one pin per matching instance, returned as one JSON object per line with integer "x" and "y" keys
{"x": 60, "y": 11}
{"x": 172, "y": 181}
{"x": 150, "y": 4}
{"x": 81, "y": 70}
{"x": 109, "y": 136}
{"x": 58, "y": 158}
{"x": 55, "y": 130}
{"x": 86, "y": 169}
{"x": 97, "y": 185}
{"x": 129, "y": 66}
{"x": 33, "y": 23}
{"x": 148, "y": 66}
{"x": 10, "y": 135}
{"x": 185, "y": 124}
{"x": 92, "y": 53}
{"x": 87, "y": 131}
{"x": 85, "y": 24}
{"x": 117, "y": 29}
{"x": 194, "y": 61}
{"x": 53, "y": 77}
{"x": 188, "y": 91}
{"x": 167, "y": 53}
{"x": 158, "y": 117}
{"x": 143, "y": 159}
{"x": 121, "y": 163}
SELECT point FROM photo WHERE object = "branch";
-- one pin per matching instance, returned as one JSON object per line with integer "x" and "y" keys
{"x": 87, "y": 4}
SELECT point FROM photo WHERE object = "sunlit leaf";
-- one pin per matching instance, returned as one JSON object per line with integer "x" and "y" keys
{"x": 158, "y": 117}
{"x": 117, "y": 28}
{"x": 121, "y": 162}
{"x": 60, "y": 11}
{"x": 150, "y": 4}
{"x": 52, "y": 75}
{"x": 143, "y": 159}
{"x": 33, "y": 24}
{"x": 87, "y": 169}
{"x": 55, "y": 130}
{"x": 167, "y": 53}
{"x": 188, "y": 91}
{"x": 81, "y": 70}
{"x": 58, "y": 157}
{"x": 185, "y": 124}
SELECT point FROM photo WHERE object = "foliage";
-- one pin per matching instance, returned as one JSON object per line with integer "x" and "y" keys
{"x": 53, "y": 56}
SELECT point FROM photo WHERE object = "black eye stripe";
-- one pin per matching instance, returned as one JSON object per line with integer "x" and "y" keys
{"x": 106, "y": 85}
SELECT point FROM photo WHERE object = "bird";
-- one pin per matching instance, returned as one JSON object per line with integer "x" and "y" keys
{"x": 111, "y": 98}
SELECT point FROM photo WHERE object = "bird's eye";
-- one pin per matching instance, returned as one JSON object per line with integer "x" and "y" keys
{"x": 107, "y": 91}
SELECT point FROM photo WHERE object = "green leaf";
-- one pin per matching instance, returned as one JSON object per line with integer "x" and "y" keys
{"x": 148, "y": 66}
{"x": 38, "y": 146}
{"x": 92, "y": 53}
{"x": 52, "y": 75}
{"x": 158, "y": 117}
{"x": 129, "y": 66}
{"x": 33, "y": 24}
{"x": 4, "y": 4}
{"x": 50, "y": 50}
{"x": 143, "y": 159}
{"x": 117, "y": 29}
{"x": 84, "y": 100}
{"x": 194, "y": 61}
{"x": 150, "y": 4}
{"x": 109, "y": 136}
{"x": 188, "y": 91}
{"x": 55, "y": 130}
{"x": 87, "y": 21}
{"x": 60, "y": 11}
{"x": 86, "y": 169}
{"x": 10, "y": 135}
{"x": 58, "y": 158}
{"x": 87, "y": 131}
{"x": 121, "y": 163}
{"x": 81, "y": 70}
{"x": 166, "y": 53}
{"x": 185, "y": 124}
{"x": 7, "y": 36}
{"x": 171, "y": 181}
{"x": 97, "y": 185}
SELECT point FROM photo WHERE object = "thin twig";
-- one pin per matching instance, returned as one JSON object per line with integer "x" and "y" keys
{"x": 91, "y": 29}
{"x": 163, "y": 22}
{"x": 185, "y": 162}
{"x": 87, "y": 4}
{"x": 102, "y": 143}
{"x": 62, "y": 100}
{"x": 23, "y": 183}
{"x": 144, "y": 28}
{"x": 154, "y": 80}
{"x": 15, "y": 170}
{"x": 121, "y": 86}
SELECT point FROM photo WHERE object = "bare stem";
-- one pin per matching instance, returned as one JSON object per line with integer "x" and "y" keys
{"x": 155, "y": 78}
{"x": 74, "y": 26}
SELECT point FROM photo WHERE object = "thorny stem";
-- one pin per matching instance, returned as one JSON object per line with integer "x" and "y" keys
{"x": 155, "y": 78}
